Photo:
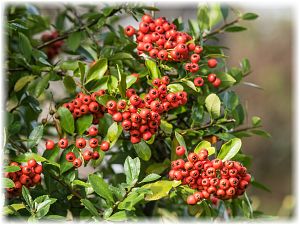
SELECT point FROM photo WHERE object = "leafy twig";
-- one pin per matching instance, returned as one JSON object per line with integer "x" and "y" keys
{"x": 222, "y": 28}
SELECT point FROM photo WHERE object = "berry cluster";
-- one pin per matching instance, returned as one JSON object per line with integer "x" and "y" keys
{"x": 85, "y": 104}
{"x": 141, "y": 117}
{"x": 212, "y": 78}
{"x": 28, "y": 175}
{"x": 53, "y": 49}
{"x": 160, "y": 39}
{"x": 81, "y": 144}
{"x": 212, "y": 178}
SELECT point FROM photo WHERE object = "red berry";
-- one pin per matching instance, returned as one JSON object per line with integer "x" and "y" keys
{"x": 24, "y": 179}
{"x": 104, "y": 146}
{"x": 63, "y": 143}
{"x": 70, "y": 156}
{"x": 31, "y": 163}
{"x": 121, "y": 104}
{"x": 77, "y": 163}
{"x": 86, "y": 99}
{"x": 93, "y": 142}
{"x": 156, "y": 82}
{"x": 126, "y": 124}
{"x": 217, "y": 82}
{"x": 38, "y": 169}
{"x": 212, "y": 63}
{"x": 26, "y": 170}
{"x": 153, "y": 53}
{"x": 135, "y": 100}
{"x": 80, "y": 143}
{"x": 195, "y": 58}
{"x": 191, "y": 200}
{"x": 84, "y": 109}
{"x": 162, "y": 55}
{"x": 95, "y": 155}
{"x": 130, "y": 92}
{"x": 129, "y": 31}
{"x": 180, "y": 150}
{"x": 93, "y": 107}
{"x": 198, "y": 82}
{"x": 211, "y": 77}
{"x": 198, "y": 49}
{"x": 165, "y": 80}
{"x": 135, "y": 140}
{"x": 93, "y": 131}
{"x": 49, "y": 144}
{"x": 146, "y": 18}
{"x": 87, "y": 155}
{"x": 147, "y": 135}
{"x": 117, "y": 117}
{"x": 111, "y": 105}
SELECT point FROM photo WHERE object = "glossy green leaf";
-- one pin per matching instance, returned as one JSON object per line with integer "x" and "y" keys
{"x": 90, "y": 207}
{"x": 25, "y": 46}
{"x": 143, "y": 150}
{"x": 205, "y": 145}
{"x": 118, "y": 216}
{"x": 35, "y": 136}
{"x": 151, "y": 177}
{"x": 22, "y": 82}
{"x": 113, "y": 133}
{"x": 230, "y": 149}
{"x": 180, "y": 139}
{"x": 153, "y": 69}
{"x": 166, "y": 127}
{"x": 74, "y": 40}
{"x": 101, "y": 187}
{"x": 121, "y": 56}
{"x": 175, "y": 88}
{"x": 27, "y": 197}
{"x": 122, "y": 82}
{"x": 227, "y": 80}
{"x": 203, "y": 17}
{"x": 11, "y": 169}
{"x": 97, "y": 71}
{"x": 27, "y": 156}
{"x": 66, "y": 120}
{"x": 41, "y": 85}
{"x": 249, "y": 16}
{"x": 132, "y": 169}
{"x": 160, "y": 189}
{"x": 7, "y": 183}
{"x": 83, "y": 123}
{"x": 42, "y": 205}
{"x": 130, "y": 80}
{"x": 213, "y": 105}
{"x": 70, "y": 84}
{"x": 235, "y": 29}
{"x": 11, "y": 209}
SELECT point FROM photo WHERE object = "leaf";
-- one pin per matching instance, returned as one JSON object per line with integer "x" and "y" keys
{"x": 81, "y": 67}
{"x": 205, "y": 145}
{"x": 35, "y": 136}
{"x": 113, "y": 133}
{"x": 150, "y": 177}
{"x": 227, "y": 80}
{"x": 66, "y": 120}
{"x": 213, "y": 105}
{"x": 7, "y": 183}
{"x": 143, "y": 150}
{"x": 97, "y": 71}
{"x": 122, "y": 83}
{"x": 81, "y": 183}
{"x": 22, "y": 82}
{"x": 121, "y": 56}
{"x": 230, "y": 149}
{"x": 224, "y": 10}
{"x": 175, "y": 88}
{"x": 130, "y": 80}
{"x": 42, "y": 205}
{"x": 25, "y": 46}
{"x": 51, "y": 155}
{"x": 235, "y": 29}
{"x": 83, "y": 123}
{"x": 180, "y": 139}
{"x": 73, "y": 41}
{"x": 69, "y": 84}
{"x": 101, "y": 187}
{"x": 132, "y": 199}
{"x": 27, "y": 156}
{"x": 215, "y": 14}
{"x": 245, "y": 65}
{"x": 190, "y": 84}
{"x": 260, "y": 186}
{"x": 41, "y": 85}
{"x": 166, "y": 127}
{"x": 249, "y": 16}
{"x": 104, "y": 99}
{"x": 90, "y": 207}
{"x": 27, "y": 197}
{"x": 261, "y": 133}
{"x": 118, "y": 216}
{"x": 203, "y": 18}
{"x": 256, "y": 121}
{"x": 11, "y": 209}
{"x": 153, "y": 69}
{"x": 11, "y": 169}
{"x": 69, "y": 65}
{"x": 230, "y": 100}
{"x": 160, "y": 189}
{"x": 132, "y": 169}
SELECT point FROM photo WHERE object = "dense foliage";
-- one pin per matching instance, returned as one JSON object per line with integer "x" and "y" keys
{"x": 158, "y": 105}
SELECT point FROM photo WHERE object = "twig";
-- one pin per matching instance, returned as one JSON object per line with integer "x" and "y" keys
{"x": 222, "y": 28}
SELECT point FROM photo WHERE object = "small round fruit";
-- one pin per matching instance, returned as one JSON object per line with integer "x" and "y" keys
{"x": 180, "y": 150}
{"x": 104, "y": 146}
{"x": 87, "y": 155}
{"x": 191, "y": 200}
{"x": 36, "y": 179}
{"x": 31, "y": 163}
{"x": 70, "y": 156}
{"x": 217, "y": 82}
{"x": 212, "y": 63}
{"x": 93, "y": 142}
{"x": 49, "y": 144}
{"x": 95, "y": 155}
{"x": 129, "y": 31}
{"x": 26, "y": 170}
{"x": 38, "y": 169}
{"x": 80, "y": 143}
{"x": 63, "y": 143}
{"x": 93, "y": 131}
{"x": 77, "y": 163}
{"x": 211, "y": 77}
{"x": 198, "y": 82}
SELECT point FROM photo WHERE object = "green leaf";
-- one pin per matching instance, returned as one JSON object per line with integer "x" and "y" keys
{"x": 160, "y": 189}
{"x": 113, "y": 133}
{"x": 118, "y": 216}
{"x": 256, "y": 121}
{"x": 104, "y": 99}
{"x": 69, "y": 65}
{"x": 150, "y": 177}
{"x": 153, "y": 69}
{"x": 97, "y": 71}
{"x": 143, "y": 150}
{"x": 27, "y": 156}
{"x": 132, "y": 169}
{"x": 81, "y": 67}
{"x": 166, "y": 127}
{"x": 235, "y": 29}
{"x": 121, "y": 56}
{"x": 11, "y": 209}
{"x": 260, "y": 186}
{"x": 261, "y": 133}
{"x": 132, "y": 199}
{"x": 41, "y": 85}
{"x": 11, "y": 169}
{"x": 7, "y": 183}
{"x": 130, "y": 80}
{"x": 249, "y": 16}
{"x": 35, "y": 136}
{"x": 203, "y": 18}
{"x": 190, "y": 84}
{"x": 205, "y": 145}
{"x": 175, "y": 88}
{"x": 101, "y": 187}
{"x": 83, "y": 123}
{"x": 215, "y": 14}
{"x": 246, "y": 67}
{"x": 73, "y": 41}
{"x": 81, "y": 183}
{"x": 90, "y": 207}
{"x": 66, "y": 120}
{"x": 27, "y": 197}
{"x": 180, "y": 139}
{"x": 230, "y": 149}
{"x": 42, "y": 205}
{"x": 224, "y": 10}
{"x": 22, "y": 82}
{"x": 230, "y": 100}
{"x": 25, "y": 46}
{"x": 227, "y": 80}
{"x": 52, "y": 155}
{"x": 70, "y": 84}
{"x": 213, "y": 105}
{"x": 122, "y": 83}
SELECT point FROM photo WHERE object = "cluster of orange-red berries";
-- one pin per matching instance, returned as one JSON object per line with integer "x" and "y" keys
{"x": 87, "y": 104}
{"x": 28, "y": 175}
{"x": 82, "y": 144}
{"x": 213, "y": 179}
{"x": 141, "y": 117}
{"x": 53, "y": 49}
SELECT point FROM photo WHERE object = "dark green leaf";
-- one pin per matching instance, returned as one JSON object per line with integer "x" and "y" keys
{"x": 132, "y": 169}
{"x": 97, "y": 71}
{"x": 73, "y": 41}
{"x": 113, "y": 133}
{"x": 203, "y": 18}
{"x": 66, "y": 120}
{"x": 25, "y": 46}
{"x": 41, "y": 85}
{"x": 121, "y": 56}
{"x": 166, "y": 127}
{"x": 261, "y": 133}
{"x": 260, "y": 186}
{"x": 83, "y": 123}
{"x": 235, "y": 29}
{"x": 35, "y": 136}
{"x": 89, "y": 206}
{"x": 153, "y": 69}
{"x": 180, "y": 139}
{"x": 101, "y": 187}
{"x": 122, "y": 83}
{"x": 27, "y": 197}
{"x": 70, "y": 84}
{"x": 130, "y": 80}
{"x": 249, "y": 16}
{"x": 143, "y": 150}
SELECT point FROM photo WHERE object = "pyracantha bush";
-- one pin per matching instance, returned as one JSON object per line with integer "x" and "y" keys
{"x": 148, "y": 111}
